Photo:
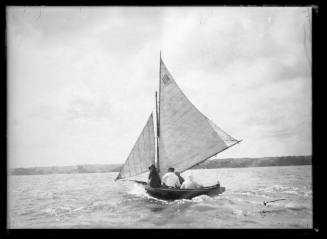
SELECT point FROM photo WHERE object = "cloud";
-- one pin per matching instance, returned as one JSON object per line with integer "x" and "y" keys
{"x": 82, "y": 80}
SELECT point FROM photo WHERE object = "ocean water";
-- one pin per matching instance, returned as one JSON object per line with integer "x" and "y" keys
{"x": 95, "y": 201}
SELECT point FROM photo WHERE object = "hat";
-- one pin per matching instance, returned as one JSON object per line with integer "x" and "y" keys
{"x": 151, "y": 166}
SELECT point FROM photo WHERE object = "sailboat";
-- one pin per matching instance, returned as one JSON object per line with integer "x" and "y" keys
{"x": 179, "y": 136}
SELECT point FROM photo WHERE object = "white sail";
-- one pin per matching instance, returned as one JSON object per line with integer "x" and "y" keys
{"x": 187, "y": 137}
{"x": 142, "y": 154}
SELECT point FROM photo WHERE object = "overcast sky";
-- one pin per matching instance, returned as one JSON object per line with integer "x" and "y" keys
{"x": 81, "y": 80}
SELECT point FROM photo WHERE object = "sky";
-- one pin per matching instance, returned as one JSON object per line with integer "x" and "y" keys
{"x": 81, "y": 80}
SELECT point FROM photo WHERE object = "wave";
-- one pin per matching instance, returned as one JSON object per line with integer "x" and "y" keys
{"x": 197, "y": 199}
{"x": 101, "y": 205}
{"x": 204, "y": 198}
{"x": 139, "y": 191}
{"x": 43, "y": 195}
{"x": 254, "y": 197}
{"x": 237, "y": 212}
{"x": 272, "y": 211}
{"x": 58, "y": 211}
{"x": 248, "y": 193}
{"x": 237, "y": 200}
{"x": 27, "y": 212}
{"x": 296, "y": 206}
{"x": 304, "y": 191}
{"x": 271, "y": 191}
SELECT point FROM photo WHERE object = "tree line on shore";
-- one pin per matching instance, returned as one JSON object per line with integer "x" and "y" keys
{"x": 209, "y": 164}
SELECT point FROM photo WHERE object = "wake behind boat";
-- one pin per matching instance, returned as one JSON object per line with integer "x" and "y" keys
{"x": 183, "y": 137}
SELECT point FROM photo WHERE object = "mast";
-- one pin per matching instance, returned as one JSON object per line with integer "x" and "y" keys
{"x": 157, "y": 137}
{"x": 158, "y": 115}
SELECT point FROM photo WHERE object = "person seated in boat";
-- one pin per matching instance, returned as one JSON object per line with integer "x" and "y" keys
{"x": 170, "y": 179}
{"x": 189, "y": 183}
{"x": 181, "y": 179}
{"x": 154, "y": 178}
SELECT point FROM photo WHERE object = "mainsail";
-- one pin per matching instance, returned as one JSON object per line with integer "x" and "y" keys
{"x": 187, "y": 137}
{"x": 142, "y": 154}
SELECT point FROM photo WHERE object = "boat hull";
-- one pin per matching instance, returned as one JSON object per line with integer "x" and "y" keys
{"x": 174, "y": 193}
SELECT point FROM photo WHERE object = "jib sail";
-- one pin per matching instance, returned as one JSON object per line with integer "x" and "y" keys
{"x": 142, "y": 154}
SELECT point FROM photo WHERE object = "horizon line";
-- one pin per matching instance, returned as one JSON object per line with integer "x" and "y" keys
{"x": 72, "y": 165}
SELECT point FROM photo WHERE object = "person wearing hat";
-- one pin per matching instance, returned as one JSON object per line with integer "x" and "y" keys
{"x": 170, "y": 179}
{"x": 154, "y": 178}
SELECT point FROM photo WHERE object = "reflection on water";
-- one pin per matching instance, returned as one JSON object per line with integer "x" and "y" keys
{"x": 96, "y": 201}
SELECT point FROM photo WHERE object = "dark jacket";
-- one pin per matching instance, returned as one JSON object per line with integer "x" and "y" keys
{"x": 154, "y": 179}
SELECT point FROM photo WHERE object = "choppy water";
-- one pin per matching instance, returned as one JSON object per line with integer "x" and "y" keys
{"x": 96, "y": 201}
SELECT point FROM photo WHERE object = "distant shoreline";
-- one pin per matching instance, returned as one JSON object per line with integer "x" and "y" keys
{"x": 209, "y": 164}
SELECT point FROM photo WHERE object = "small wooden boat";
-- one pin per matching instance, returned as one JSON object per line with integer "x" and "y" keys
{"x": 177, "y": 193}
{"x": 179, "y": 136}
{"x": 174, "y": 193}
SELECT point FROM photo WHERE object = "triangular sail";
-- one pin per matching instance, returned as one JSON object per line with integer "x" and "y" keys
{"x": 142, "y": 154}
{"x": 187, "y": 137}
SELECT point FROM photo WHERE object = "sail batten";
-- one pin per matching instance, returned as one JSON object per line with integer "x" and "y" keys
{"x": 142, "y": 154}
